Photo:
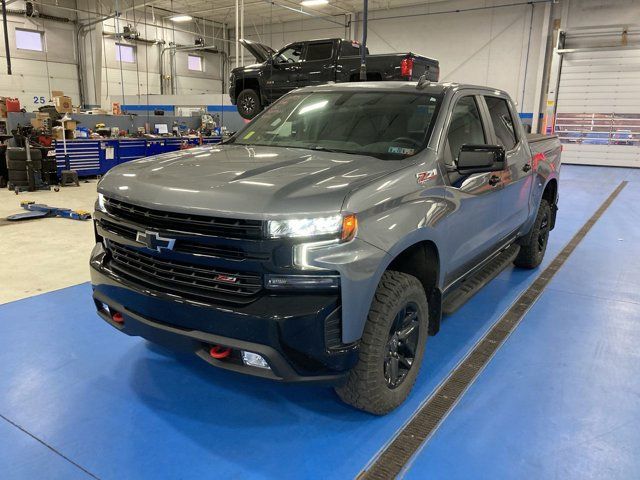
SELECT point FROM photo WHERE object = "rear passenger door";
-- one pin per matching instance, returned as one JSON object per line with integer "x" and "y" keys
{"x": 517, "y": 176}
{"x": 319, "y": 65}
{"x": 474, "y": 225}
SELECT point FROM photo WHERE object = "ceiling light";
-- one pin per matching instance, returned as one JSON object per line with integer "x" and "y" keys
{"x": 181, "y": 18}
{"x": 313, "y": 3}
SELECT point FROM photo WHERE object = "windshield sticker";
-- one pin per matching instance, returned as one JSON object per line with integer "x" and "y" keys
{"x": 422, "y": 177}
{"x": 402, "y": 150}
{"x": 249, "y": 135}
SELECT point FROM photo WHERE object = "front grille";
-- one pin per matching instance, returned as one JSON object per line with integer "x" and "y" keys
{"x": 186, "y": 223}
{"x": 190, "y": 281}
{"x": 199, "y": 247}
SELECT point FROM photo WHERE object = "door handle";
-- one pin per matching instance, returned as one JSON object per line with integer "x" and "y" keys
{"x": 527, "y": 167}
{"x": 494, "y": 180}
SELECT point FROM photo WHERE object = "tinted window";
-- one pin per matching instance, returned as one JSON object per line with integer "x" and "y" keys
{"x": 292, "y": 54}
{"x": 502, "y": 121}
{"x": 350, "y": 49}
{"x": 381, "y": 124}
{"x": 319, "y": 51}
{"x": 465, "y": 128}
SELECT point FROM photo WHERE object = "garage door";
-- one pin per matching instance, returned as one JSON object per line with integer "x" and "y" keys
{"x": 598, "y": 113}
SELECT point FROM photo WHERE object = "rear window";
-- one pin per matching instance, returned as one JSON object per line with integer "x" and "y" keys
{"x": 502, "y": 121}
{"x": 319, "y": 51}
{"x": 350, "y": 49}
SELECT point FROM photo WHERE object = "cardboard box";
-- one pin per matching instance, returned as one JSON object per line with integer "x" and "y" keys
{"x": 57, "y": 133}
{"x": 37, "y": 123}
{"x": 70, "y": 125}
{"x": 63, "y": 104}
{"x": 42, "y": 116}
{"x": 57, "y": 93}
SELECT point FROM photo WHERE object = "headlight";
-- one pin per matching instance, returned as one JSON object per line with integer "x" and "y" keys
{"x": 338, "y": 225}
{"x": 100, "y": 203}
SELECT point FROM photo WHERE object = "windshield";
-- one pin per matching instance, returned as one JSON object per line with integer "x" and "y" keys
{"x": 385, "y": 125}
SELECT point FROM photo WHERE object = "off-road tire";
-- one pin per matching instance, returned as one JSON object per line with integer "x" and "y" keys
{"x": 248, "y": 103}
{"x": 18, "y": 176}
{"x": 16, "y": 164}
{"x": 534, "y": 245}
{"x": 366, "y": 387}
{"x": 17, "y": 153}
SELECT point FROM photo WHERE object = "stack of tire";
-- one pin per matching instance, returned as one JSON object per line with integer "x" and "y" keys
{"x": 21, "y": 172}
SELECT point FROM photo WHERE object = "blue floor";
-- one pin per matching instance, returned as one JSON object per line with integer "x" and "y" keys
{"x": 121, "y": 408}
{"x": 561, "y": 398}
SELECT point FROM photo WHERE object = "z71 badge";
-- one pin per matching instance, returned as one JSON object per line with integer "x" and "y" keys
{"x": 422, "y": 177}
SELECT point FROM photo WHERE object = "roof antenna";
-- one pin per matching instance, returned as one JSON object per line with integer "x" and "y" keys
{"x": 423, "y": 81}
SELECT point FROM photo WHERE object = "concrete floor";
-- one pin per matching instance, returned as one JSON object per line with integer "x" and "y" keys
{"x": 42, "y": 255}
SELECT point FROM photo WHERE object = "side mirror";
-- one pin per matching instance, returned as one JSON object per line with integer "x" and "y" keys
{"x": 480, "y": 159}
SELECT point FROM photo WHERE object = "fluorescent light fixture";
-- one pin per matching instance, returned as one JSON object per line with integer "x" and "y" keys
{"x": 181, "y": 18}
{"x": 313, "y": 3}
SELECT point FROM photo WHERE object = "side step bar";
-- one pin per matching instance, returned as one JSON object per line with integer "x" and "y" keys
{"x": 472, "y": 284}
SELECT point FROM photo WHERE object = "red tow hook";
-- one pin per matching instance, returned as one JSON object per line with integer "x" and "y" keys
{"x": 219, "y": 352}
{"x": 117, "y": 317}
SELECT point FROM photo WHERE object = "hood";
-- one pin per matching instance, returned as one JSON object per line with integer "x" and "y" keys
{"x": 260, "y": 51}
{"x": 241, "y": 181}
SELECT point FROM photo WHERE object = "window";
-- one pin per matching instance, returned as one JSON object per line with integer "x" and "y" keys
{"x": 465, "y": 128}
{"x": 502, "y": 121}
{"x": 319, "y": 51}
{"x": 125, "y": 53}
{"x": 29, "y": 40}
{"x": 389, "y": 126}
{"x": 292, "y": 54}
{"x": 194, "y": 63}
{"x": 350, "y": 49}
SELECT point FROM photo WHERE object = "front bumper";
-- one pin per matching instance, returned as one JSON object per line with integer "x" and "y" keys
{"x": 292, "y": 332}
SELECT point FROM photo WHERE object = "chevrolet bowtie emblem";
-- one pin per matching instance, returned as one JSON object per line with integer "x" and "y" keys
{"x": 154, "y": 241}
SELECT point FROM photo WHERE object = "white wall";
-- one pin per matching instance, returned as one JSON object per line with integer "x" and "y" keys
{"x": 499, "y": 47}
{"x": 35, "y": 74}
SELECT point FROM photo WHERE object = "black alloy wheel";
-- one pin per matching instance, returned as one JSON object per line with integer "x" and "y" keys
{"x": 402, "y": 345}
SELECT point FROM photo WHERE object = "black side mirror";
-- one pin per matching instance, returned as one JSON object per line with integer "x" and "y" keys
{"x": 480, "y": 159}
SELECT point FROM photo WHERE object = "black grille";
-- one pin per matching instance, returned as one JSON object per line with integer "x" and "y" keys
{"x": 181, "y": 222}
{"x": 196, "y": 282}
{"x": 188, "y": 246}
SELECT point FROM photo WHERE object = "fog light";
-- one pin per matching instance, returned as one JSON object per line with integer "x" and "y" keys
{"x": 254, "y": 360}
{"x": 302, "y": 281}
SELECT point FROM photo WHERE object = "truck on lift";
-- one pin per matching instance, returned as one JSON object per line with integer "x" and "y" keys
{"x": 315, "y": 62}
{"x": 325, "y": 241}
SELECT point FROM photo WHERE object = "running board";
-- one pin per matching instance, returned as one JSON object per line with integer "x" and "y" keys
{"x": 471, "y": 285}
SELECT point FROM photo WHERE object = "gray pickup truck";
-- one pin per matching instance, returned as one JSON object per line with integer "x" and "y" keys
{"x": 325, "y": 241}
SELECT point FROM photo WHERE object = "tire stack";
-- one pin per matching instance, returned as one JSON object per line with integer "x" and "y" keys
{"x": 20, "y": 172}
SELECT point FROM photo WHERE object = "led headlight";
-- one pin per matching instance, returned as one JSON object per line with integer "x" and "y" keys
{"x": 100, "y": 204}
{"x": 339, "y": 225}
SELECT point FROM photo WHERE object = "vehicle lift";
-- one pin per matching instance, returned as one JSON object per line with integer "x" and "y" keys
{"x": 40, "y": 210}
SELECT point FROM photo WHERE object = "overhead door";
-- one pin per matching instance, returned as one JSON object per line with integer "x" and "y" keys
{"x": 598, "y": 109}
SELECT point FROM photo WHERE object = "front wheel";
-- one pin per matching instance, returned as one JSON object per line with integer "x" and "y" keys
{"x": 392, "y": 346}
{"x": 534, "y": 245}
{"x": 248, "y": 103}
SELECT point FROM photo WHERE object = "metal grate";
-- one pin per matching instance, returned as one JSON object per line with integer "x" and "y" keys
{"x": 186, "y": 223}
{"x": 198, "y": 282}
{"x": 398, "y": 452}
{"x": 201, "y": 247}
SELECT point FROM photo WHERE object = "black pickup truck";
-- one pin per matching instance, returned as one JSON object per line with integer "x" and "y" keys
{"x": 314, "y": 62}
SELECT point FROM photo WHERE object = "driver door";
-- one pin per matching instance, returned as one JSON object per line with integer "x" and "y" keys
{"x": 473, "y": 226}
{"x": 285, "y": 69}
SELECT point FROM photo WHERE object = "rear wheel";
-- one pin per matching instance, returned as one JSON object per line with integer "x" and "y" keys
{"x": 534, "y": 246}
{"x": 248, "y": 103}
{"x": 391, "y": 348}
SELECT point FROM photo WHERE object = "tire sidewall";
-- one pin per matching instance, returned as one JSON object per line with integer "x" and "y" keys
{"x": 258, "y": 107}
